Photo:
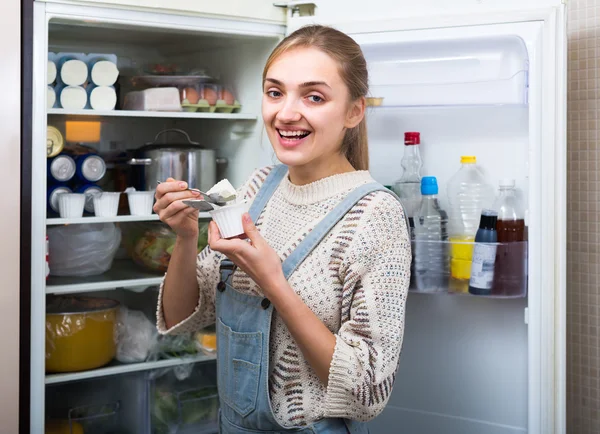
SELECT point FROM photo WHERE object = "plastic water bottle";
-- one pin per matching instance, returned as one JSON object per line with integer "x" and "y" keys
{"x": 431, "y": 236}
{"x": 468, "y": 193}
{"x": 408, "y": 187}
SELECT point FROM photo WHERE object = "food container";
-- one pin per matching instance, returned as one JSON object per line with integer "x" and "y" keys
{"x": 150, "y": 244}
{"x": 212, "y": 98}
{"x": 61, "y": 168}
{"x": 50, "y": 97}
{"x": 73, "y": 71}
{"x": 88, "y": 419}
{"x": 183, "y": 160}
{"x": 55, "y": 142}
{"x": 229, "y": 219}
{"x": 54, "y": 191}
{"x": 101, "y": 98}
{"x": 106, "y": 204}
{"x": 90, "y": 190}
{"x": 51, "y": 72}
{"x": 90, "y": 167}
{"x": 140, "y": 202}
{"x": 103, "y": 71}
{"x": 207, "y": 340}
{"x": 70, "y": 205}
{"x": 72, "y": 97}
{"x": 79, "y": 333}
{"x": 186, "y": 403}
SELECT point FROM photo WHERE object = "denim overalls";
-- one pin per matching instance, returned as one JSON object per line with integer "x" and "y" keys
{"x": 243, "y": 327}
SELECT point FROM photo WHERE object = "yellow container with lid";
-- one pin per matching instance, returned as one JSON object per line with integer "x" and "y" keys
{"x": 80, "y": 333}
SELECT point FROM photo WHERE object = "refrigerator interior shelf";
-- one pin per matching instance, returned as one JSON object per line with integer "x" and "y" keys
{"x": 153, "y": 114}
{"x": 124, "y": 273}
{"x": 116, "y": 219}
{"x": 117, "y": 368}
{"x": 472, "y": 71}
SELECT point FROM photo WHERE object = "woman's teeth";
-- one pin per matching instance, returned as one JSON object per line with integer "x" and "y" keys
{"x": 293, "y": 134}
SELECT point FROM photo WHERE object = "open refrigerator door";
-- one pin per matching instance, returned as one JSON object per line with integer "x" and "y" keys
{"x": 484, "y": 80}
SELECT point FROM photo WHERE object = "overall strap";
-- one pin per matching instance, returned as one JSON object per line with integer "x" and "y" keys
{"x": 266, "y": 190}
{"x": 318, "y": 233}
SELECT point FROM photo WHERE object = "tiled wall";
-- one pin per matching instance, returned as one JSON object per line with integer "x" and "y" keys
{"x": 583, "y": 231}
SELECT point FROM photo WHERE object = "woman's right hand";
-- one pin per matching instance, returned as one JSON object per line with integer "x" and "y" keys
{"x": 171, "y": 210}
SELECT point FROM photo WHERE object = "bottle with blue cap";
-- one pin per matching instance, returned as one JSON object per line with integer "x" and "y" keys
{"x": 431, "y": 236}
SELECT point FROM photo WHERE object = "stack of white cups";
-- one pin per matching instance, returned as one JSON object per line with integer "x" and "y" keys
{"x": 103, "y": 74}
{"x": 84, "y": 81}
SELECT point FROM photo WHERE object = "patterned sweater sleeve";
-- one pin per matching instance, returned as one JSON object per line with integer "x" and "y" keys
{"x": 375, "y": 274}
{"x": 207, "y": 274}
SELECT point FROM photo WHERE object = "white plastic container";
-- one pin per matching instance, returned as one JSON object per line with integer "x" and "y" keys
{"x": 70, "y": 205}
{"x": 103, "y": 71}
{"x": 106, "y": 204}
{"x": 72, "y": 97}
{"x": 51, "y": 71}
{"x": 140, "y": 202}
{"x": 229, "y": 219}
{"x": 50, "y": 97}
{"x": 102, "y": 98}
{"x": 73, "y": 72}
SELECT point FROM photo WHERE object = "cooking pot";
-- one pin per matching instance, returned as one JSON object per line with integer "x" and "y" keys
{"x": 182, "y": 161}
{"x": 80, "y": 333}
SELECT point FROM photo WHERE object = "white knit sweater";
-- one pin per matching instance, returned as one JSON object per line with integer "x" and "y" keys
{"x": 355, "y": 281}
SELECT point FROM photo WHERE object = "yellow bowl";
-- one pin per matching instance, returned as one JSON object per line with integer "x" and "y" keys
{"x": 80, "y": 333}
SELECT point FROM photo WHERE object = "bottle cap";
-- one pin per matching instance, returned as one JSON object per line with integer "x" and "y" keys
{"x": 488, "y": 220}
{"x": 507, "y": 183}
{"x": 412, "y": 138}
{"x": 429, "y": 185}
{"x": 468, "y": 159}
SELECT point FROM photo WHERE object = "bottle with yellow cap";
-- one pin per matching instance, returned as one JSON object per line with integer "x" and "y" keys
{"x": 468, "y": 193}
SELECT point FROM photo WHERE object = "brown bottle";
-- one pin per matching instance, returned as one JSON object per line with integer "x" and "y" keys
{"x": 510, "y": 271}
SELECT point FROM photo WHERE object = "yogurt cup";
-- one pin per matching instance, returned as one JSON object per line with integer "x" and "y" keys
{"x": 229, "y": 219}
{"x": 140, "y": 202}
{"x": 106, "y": 204}
{"x": 70, "y": 205}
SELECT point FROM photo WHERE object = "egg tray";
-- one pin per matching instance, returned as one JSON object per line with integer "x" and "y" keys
{"x": 204, "y": 106}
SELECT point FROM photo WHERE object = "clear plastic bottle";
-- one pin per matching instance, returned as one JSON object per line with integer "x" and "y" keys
{"x": 431, "y": 236}
{"x": 408, "y": 187}
{"x": 510, "y": 276}
{"x": 468, "y": 194}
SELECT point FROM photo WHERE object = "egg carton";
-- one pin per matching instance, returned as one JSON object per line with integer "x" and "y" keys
{"x": 220, "y": 107}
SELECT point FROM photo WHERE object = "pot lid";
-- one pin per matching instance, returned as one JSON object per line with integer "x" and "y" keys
{"x": 74, "y": 304}
{"x": 173, "y": 130}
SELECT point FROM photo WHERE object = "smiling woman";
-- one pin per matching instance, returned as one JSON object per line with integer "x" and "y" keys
{"x": 310, "y": 312}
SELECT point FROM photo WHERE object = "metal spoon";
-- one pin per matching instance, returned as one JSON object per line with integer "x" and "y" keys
{"x": 214, "y": 198}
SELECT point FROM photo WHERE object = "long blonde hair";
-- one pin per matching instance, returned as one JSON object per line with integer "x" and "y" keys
{"x": 353, "y": 70}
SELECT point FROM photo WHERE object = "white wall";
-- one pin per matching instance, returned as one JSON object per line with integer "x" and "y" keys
{"x": 10, "y": 145}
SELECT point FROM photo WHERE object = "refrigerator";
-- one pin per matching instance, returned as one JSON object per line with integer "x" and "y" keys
{"x": 483, "y": 78}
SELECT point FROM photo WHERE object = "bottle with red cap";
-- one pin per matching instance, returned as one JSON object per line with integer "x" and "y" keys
{"x": 408, "y": 187}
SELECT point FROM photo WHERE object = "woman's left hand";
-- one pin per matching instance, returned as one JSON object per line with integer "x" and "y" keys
{"x": 256, "y": 258}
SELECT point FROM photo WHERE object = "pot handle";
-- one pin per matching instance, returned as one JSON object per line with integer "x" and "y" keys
{"x": 140, "y": 162}
{"x": 173, "y": 130}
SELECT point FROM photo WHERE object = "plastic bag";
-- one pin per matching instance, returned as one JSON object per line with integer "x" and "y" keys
{"x": 82, "y": 250}
{"x": 174, "y": 346}
{"x": 135, "y": 335}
